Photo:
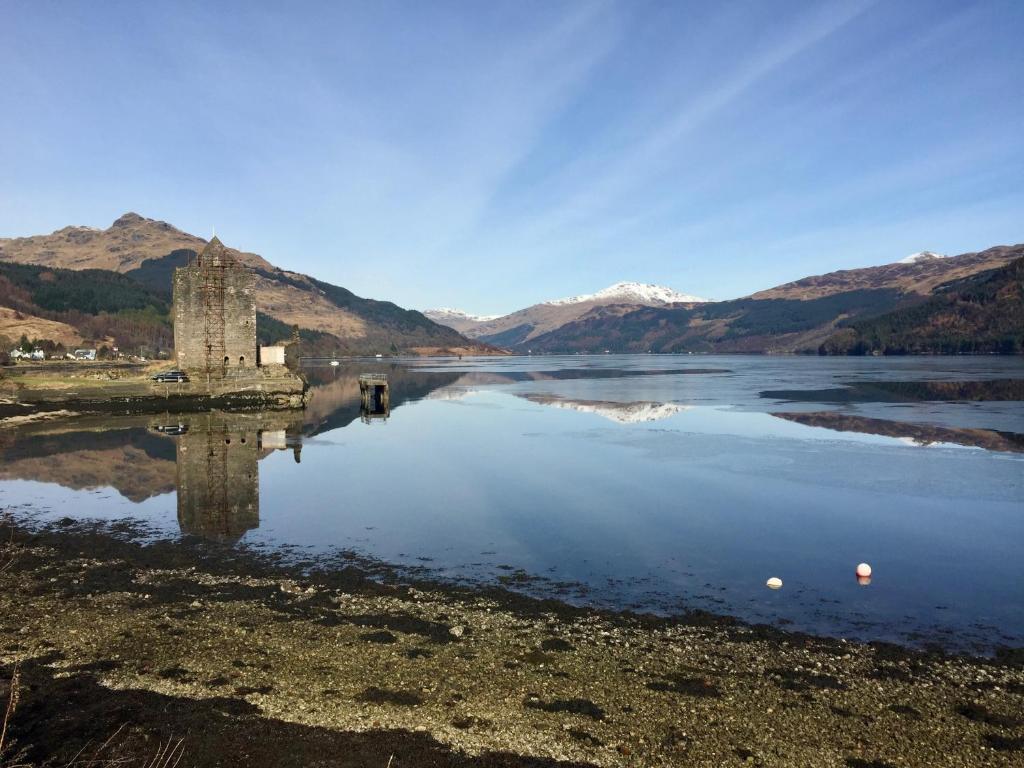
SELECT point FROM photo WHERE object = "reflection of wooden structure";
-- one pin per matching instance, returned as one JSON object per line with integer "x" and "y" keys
{"x": 375, "y": 395}
{"x": 373, "y": 389}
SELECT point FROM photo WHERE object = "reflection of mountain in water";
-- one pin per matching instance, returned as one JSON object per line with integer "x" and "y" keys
{"x": 920, "y": 434}
{"x": 211, "y": 459}
{"x": 334, "y": 400}
{"x": 334, "y": 395}
{"x": 487, "y": 378}
{"x": 623, "y": 413}
{"x": 906, "y": 392}
{"x": 87, "y": 454}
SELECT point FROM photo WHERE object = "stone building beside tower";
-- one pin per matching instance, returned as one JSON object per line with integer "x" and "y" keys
{"x": 215, "y": 315}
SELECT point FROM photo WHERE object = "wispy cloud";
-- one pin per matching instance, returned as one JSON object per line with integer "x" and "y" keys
{"x": 489, "y": 118}
{"x": 636, "y": 165}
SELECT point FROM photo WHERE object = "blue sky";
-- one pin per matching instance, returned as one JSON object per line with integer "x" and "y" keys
{"x": 489, "y": 155}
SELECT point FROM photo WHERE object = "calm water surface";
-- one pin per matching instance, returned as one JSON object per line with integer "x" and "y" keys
{"x": 649, "y": 482}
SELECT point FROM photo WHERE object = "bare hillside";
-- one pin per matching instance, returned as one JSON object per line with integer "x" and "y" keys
{"x": 919, "y": 276}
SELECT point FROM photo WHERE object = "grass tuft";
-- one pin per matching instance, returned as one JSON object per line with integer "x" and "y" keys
{"x": 9, "y": 757}
{"x": 168, "y": 754}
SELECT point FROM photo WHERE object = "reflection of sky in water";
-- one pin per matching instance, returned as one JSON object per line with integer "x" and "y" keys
{"x": 749, "y": 375}
{"x": 696, "y": 508}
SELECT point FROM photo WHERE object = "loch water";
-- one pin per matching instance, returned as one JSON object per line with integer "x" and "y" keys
{"x": 643, "y": 482}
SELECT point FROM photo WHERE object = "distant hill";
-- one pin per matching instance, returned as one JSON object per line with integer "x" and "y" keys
{"x": 146, "y": 252}
{"x": 456, "y": 319}
{"x": 14, "y": 324}
{"x": 983, "y": 313}
{"x": 69, "y": 307}
{"x": 123, "y": 246}
{"x": 796, "y": 317}
{"x": 518, "y": 329}
{"x": 920, "y": 274}
{"x": 741, "y": 325}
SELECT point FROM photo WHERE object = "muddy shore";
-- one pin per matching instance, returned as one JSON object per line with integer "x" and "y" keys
{"x": 233, "y": 657}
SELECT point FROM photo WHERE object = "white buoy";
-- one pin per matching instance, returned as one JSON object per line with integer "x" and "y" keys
{"x": 863, "y": 569}
{"x": 774, "y": 583}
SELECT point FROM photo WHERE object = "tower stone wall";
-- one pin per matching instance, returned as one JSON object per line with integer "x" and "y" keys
{"x": 214, "y": 314}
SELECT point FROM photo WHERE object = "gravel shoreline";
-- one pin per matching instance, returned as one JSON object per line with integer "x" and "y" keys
{"x": 236, "y": 659}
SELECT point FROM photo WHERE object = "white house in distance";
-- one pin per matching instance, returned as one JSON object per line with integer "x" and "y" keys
{"x": 35, "y": 354}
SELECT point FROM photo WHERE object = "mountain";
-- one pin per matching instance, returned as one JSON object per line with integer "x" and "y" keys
{"x": 983, "y": 313}
{"x": 644, "y": 294}
{"x": 920, "y": 273}
{"x": 122, "y": 247}
{"x": 146, "y": 251}
{"x": 517, "y": 329}
{"x": 457, "y": 319}
{"x": 795, "y": 317}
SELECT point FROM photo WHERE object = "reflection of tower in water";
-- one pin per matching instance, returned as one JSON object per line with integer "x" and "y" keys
{"x": 218, "y": 478}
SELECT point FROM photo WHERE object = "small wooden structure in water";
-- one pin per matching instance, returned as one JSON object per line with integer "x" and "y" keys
{"x": 375, "y": 394}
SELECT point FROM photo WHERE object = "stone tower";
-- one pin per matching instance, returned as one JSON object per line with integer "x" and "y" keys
{"x": 214, "y": 314}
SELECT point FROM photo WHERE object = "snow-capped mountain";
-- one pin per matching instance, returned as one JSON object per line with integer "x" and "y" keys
{"x": 456, "y": 319}
{"x": 632, "y": 293}
{"x": 921, "y": 256}
{"x": 448, "y": 313}
{"x": 522, "y": 325}
{"x": 635, "y": 317}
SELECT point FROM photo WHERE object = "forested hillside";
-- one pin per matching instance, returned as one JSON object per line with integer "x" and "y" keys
{"x": 981, "y": 314}
{"x": 742, "y": 325}
{"x": 99, "y": 305}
